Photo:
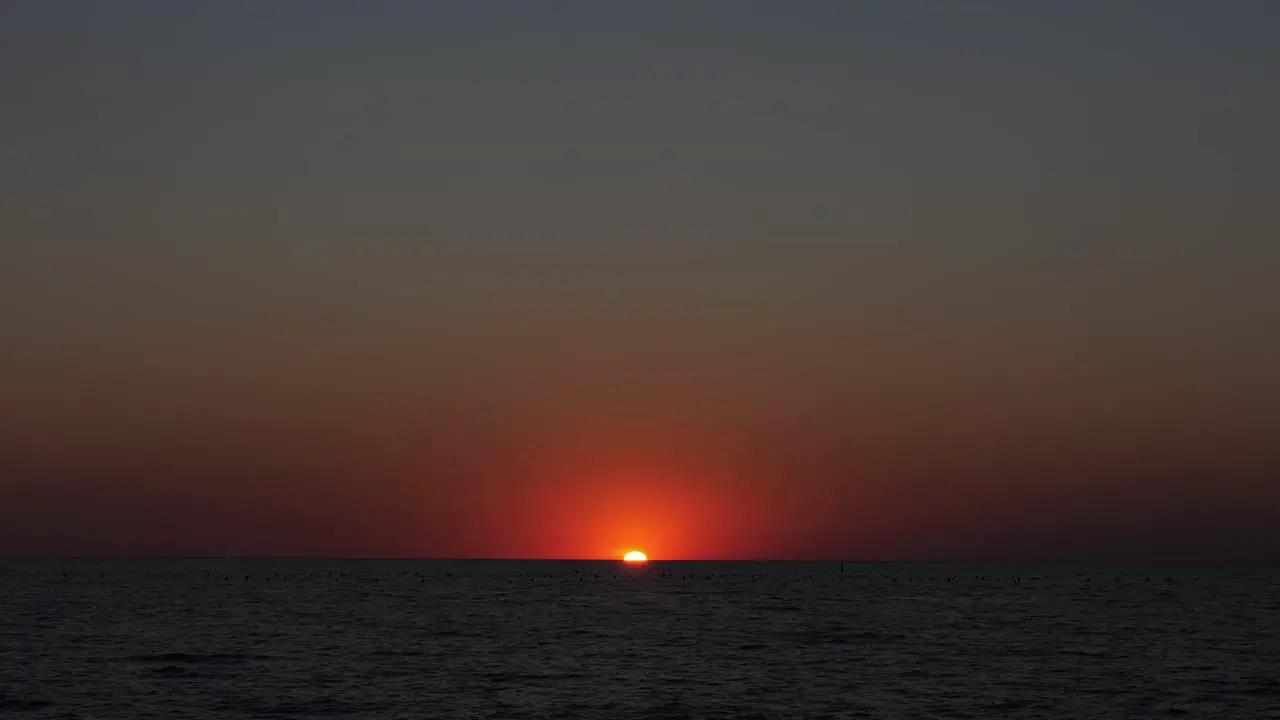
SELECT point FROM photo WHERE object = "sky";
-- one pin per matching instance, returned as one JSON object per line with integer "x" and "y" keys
{"x": 861, "y": 280}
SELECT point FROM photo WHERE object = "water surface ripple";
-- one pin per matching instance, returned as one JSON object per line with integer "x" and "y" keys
{"x": 497, "y": 639}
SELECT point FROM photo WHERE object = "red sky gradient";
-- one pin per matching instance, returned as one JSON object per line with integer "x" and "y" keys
{"x": 854, "y": 280}
{"x": 547, "y": 494}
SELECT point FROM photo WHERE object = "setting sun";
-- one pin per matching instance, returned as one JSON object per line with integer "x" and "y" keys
{"x": 635, "y": 556}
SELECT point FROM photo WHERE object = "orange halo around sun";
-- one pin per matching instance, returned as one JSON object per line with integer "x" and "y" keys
{"x": 635, "y": 556}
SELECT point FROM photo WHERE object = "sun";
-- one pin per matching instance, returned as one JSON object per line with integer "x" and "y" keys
{"x": 635, "y": 556}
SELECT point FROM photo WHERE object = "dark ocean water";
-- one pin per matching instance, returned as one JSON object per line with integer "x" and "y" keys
{"x": 491, "y": 639}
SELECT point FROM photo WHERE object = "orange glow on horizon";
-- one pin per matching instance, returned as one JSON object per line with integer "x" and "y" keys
{"x": 591, "y": 509}
{"x": 636, "y": 557}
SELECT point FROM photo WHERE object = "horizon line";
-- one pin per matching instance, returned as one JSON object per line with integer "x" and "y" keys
{"x": 800, "y": 559}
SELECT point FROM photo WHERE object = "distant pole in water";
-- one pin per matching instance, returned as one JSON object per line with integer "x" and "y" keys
{"x": 841, "y": 567}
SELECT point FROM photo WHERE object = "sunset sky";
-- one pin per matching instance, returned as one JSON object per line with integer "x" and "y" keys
{"x": 862, "y": 280}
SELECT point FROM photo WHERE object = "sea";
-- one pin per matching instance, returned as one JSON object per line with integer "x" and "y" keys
{"x": 96, "y": 638}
